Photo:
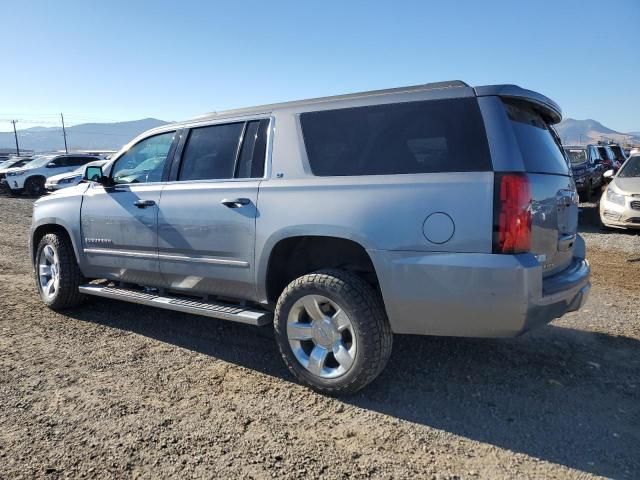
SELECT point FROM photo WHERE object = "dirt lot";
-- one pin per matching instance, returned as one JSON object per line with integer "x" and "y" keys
{"x": 115, "y": 390}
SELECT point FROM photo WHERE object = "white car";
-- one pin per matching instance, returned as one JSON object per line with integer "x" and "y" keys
{"x": 65, "y": 180}
{"x": 32, "y": 177}
{"x": 12, "y": 163}
{"x": 620, "y": 203}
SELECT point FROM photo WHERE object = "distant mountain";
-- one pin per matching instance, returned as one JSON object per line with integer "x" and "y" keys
{"x": 86, "y": 136}
{"x": 574, "y": 131}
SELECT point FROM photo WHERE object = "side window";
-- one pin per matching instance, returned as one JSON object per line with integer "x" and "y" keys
{"x": 144, "y": 162}
{"x": 78, "y": 161}
{"x": 254, "y": 147}
{"x": 412, "y": 137}
{"x": 58, "y": 162}
{"x": 210, "y": 152}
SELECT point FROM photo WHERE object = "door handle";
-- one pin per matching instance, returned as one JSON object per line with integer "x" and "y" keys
{"x": 236, "y": 202}
{"x": 144, "y": 203}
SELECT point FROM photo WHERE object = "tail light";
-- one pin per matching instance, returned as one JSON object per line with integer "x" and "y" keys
{"x": 511, "y": 213}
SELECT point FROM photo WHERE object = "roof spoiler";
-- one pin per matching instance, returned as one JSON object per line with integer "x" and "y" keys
{"x": 547, "y": 106}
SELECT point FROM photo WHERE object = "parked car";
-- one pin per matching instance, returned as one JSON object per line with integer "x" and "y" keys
{"x": 618, "y": 152}
{"x": 65, "y": 180}
{"x": 13, "y": 163}
{"x": 608, "y": 158}
{"x": 31, "y": 178}
{"x": 438, "y": 209}
{"x": 620, "y": 203}
{"x": 587, "y": 168}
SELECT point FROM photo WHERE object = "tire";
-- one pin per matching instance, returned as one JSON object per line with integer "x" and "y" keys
{"x": 56, "y": 252}
{"x": 34, "y": 186}
{"x": 349, "y": 325}
{"x": 588, "y": 194}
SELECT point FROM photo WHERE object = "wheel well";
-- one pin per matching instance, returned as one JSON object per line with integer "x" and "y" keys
{"x": 297, "y": 256}
{"x": 43, "y": 230}
{"x": 33, "y": 177}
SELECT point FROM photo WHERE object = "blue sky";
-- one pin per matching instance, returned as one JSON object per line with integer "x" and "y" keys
{"x": 124, "y": 60}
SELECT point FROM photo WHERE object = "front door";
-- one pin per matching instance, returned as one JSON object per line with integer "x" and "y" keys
{"x": 120, "y": 222}
{"x": 207, "y": 215}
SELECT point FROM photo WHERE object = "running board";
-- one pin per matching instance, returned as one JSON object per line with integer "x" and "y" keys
{"x": 208, "y": 309}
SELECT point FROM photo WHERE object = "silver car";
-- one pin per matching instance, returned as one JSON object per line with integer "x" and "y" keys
{"x": 70, "y": 179}
{"x": 620, "y": 203}
{"x": 438, "y": 209}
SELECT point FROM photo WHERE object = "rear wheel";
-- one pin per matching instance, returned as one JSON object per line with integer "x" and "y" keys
{"x": 332, "y": 331}
{"x": 57, "y": 273}
{"x": 34, "y": 186}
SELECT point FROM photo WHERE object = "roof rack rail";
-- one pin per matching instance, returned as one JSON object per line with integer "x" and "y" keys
{"x": 267, "y": 107}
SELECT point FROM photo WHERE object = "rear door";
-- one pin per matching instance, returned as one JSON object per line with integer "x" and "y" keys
{"x": 207, "y": 213}
{"x": 554, "y": 199}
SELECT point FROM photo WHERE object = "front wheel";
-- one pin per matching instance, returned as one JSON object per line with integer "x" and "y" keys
{"x": 57, "y": 273}
{"x": 34, "y": 187}
{"x": 332, "y": 331}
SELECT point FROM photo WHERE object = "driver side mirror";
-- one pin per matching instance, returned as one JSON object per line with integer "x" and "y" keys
{"x": 95, "y": 174}
{"x": 608, "y": 175}
{"x": 51, "y": 165}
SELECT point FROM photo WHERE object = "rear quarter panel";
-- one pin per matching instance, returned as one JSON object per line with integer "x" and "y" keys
{"x": 380, "y": 212}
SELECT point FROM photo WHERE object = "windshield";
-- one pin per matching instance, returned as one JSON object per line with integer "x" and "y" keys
{"x": 39, "y": 162}
{"x": 631, "y": 168}
{"x": 20, "y": 163}
{"x": 576, "y": 155}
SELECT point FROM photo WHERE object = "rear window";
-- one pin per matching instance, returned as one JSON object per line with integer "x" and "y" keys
{"x": 617, "y": 151}
{"x": 576, "y": 155}
{"x": 414, "y": 137}
{"x": 539, "y": 147}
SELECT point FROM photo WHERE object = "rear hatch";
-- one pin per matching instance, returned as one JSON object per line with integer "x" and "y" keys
{"x": 554, "y": 201}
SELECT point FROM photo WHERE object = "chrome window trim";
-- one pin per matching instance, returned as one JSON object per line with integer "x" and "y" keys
{"x": 268, "y": 149}
{"x": 165, "y": 256}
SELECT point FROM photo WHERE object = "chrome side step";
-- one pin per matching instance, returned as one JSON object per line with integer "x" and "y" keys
{"x": 207, "y": 309}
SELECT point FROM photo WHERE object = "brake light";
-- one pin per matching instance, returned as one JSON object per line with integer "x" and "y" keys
{"x": 511, "y": 213}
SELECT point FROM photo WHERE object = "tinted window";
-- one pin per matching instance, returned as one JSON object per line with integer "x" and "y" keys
{"x": 58, "y": 161}
{"x": 605, "y": 154}
{"x": 210, "y": 152}
{"x": 415, "y": 137}
{"x": 617, "y": 150}
{"x": 539, "y": 147}
{"x": 77, "y": 161}
{"x": 144, "y": 162}
{"x": 252, "y": 155}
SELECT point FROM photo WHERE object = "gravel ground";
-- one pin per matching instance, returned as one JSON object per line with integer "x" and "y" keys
{"x": 115, "y": 390}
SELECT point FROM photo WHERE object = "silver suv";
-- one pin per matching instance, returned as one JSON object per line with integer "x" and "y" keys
{"x": 438, "y": 209}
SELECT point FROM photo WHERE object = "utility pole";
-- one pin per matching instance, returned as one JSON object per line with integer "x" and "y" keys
{"x": 15, "y": 134}
{"x": 64, "y": 134}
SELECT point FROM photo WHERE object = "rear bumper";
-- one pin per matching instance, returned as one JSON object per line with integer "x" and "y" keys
{"x": 476, "y": 295}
